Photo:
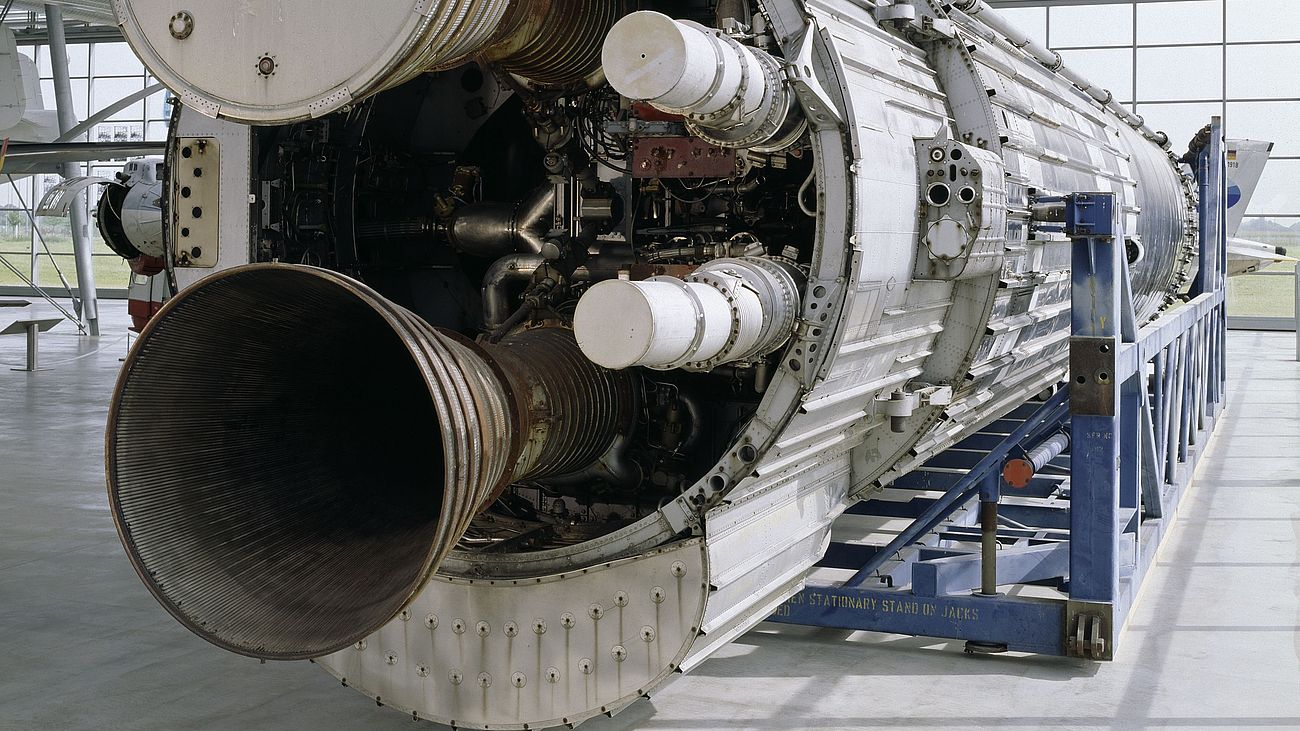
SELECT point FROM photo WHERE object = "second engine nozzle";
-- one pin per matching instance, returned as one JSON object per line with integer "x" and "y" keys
{"x": 291, "y": 456}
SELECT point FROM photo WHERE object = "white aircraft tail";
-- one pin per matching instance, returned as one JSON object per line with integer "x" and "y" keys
{"x": 1246, "y": 160}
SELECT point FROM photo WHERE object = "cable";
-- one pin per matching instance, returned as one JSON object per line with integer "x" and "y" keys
{"x": 35, "y": 288}
{"x": 804, "y": 189}
{"x": 37, "y": 230}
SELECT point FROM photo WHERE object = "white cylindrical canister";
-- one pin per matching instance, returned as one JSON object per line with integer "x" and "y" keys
{"x": 682, "y": 67}
{"x": 653, "y": 323}
{"x": 726, "y": 311}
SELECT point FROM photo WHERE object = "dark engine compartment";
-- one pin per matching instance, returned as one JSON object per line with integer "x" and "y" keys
{"x": 487, "y": 206}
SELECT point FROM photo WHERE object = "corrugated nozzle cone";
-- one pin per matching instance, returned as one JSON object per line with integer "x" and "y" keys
{"x": 291, "y": 456}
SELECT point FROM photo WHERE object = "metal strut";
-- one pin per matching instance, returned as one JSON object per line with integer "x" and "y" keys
{"x": 1048, "y": 418}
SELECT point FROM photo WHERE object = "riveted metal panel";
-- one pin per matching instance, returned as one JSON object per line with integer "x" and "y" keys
{"x": 539, "y": 652}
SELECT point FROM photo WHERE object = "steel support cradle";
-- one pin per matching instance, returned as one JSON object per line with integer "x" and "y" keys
{"x": 1100, "y": 467}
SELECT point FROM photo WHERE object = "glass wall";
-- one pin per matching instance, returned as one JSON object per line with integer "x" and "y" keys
{"x": 1179, "y": 62}
{"x": 102, "y": 73}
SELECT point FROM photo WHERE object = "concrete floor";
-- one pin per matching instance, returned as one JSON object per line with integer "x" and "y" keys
{"x": 1215, "y": 641}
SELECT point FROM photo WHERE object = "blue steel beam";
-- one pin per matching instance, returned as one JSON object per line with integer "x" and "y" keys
{"x": 1022, "y": 624}
{"x": 1052, "y": 412}
{"x": 1016, "y": 565}
{"x": 1096, "y": 311}
{"x": 1133, "y": 448}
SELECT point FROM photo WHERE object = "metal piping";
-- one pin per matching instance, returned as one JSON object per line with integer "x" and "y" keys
{"x": 1053, "y": 62}
{"x": 292, "y": 516}
{"x": 518, "y": 268}
{"x": 496, "y": 229}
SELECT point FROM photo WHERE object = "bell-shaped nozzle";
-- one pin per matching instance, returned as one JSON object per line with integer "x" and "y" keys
{"x": 290, "y": 456}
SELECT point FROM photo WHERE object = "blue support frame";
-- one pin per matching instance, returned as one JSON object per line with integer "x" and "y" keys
{"x": 1140, "y": 406}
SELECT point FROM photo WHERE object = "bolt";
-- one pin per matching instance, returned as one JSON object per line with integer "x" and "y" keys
{"x": 181, "y": 25}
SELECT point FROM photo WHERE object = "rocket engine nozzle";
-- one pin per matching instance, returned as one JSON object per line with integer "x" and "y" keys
{"x": 277, "y": 437}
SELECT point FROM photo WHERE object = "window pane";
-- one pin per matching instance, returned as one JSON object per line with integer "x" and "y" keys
{"x": 111, "y": 271}
{"x": 80, "y": 97}
{"x": 15, "y": 241}
{"x": 1033, "y": 21}
{"x": 1279, "y": 189}
{"x": 156, "y": 105}
{"x": 1192, "y": 21}
{"x": 1266, "y": 294}
{"x": 1180, "y": 73}
{"x": 1263, "y": 20}
{"x": 1179, "y": 121}
{"x": 78, "y": 60}
{"x": 1112, "y": 68}
{"x": 1091, "y": 25}
{"x": 1276, "y": 122}
{"x": 1263, "y": 72}
{"x": 116, "y": 59}
{"x": 109, "y": 91}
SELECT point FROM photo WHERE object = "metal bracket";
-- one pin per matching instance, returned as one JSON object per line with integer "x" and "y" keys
{"x": 922, "y": 21}
{"x": 1092, "y": 375}
{"x": 818, "y": 107}
{"x": 1089, "y": 630}
{"x": 900, "y": 404}
{"x": 1089, "y": 215}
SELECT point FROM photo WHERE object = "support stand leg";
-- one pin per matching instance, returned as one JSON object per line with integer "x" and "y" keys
{"x": 33, "y": 331}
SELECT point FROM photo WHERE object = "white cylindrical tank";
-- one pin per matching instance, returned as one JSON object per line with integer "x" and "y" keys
{"x": 728, "y": 310}
{"x": 680, "y": 66}
{"x": 730, "y": 93}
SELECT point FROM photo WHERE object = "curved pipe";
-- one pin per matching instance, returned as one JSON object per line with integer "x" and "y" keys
{"x": 497, "y": 229}
{"x": 520, "y": 268}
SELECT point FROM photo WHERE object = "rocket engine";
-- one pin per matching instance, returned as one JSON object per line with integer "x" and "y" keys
{"x": 528, "y": 348}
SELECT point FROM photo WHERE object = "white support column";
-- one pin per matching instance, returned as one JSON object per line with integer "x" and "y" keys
{"x": 81, "y": 241}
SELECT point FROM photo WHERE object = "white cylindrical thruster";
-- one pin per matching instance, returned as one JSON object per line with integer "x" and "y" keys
{"x": 679, "y": 66}
{"x": 727, "y": 310}
{"x": 655, "y": 322}
{"x": 731, "y": 94}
